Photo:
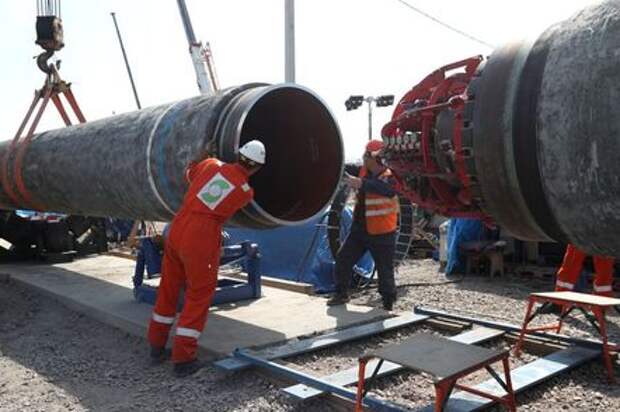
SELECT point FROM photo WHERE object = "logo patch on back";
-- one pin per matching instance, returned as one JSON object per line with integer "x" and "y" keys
{"x": 215, "y": 191}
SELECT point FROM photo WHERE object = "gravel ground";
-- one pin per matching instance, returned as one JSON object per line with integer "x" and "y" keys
{"x": 414, "y": 390}
{"x": 584, "y": 389}
{"x": 53, "y": 359}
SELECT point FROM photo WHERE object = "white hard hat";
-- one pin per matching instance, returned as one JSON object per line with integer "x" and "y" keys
{"x": 253, "y": 150}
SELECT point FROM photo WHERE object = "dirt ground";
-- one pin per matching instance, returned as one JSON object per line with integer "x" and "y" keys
{"x": 505, "y": 299}
{"x": 53, "y": 359}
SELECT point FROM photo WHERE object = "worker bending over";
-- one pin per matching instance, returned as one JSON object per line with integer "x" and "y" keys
{"x": 569, "y": 272}
{"x": 192, "y": 252}
{"x": 375, "y": 219}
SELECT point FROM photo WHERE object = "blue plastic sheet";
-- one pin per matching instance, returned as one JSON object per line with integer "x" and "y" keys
{"x": 300, "y": 253}
{"x": 461, "y": 230}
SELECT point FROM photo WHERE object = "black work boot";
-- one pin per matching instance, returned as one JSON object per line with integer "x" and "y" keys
{"x": 338, "y": 299}
{"x": 159, "y": 355}
{"x": 388, "y": 303}
{"x": 183, "y": 369}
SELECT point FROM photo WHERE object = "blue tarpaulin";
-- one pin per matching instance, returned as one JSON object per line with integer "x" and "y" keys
{"x": 300, "y": 253}
{"x": 461, "y": 230}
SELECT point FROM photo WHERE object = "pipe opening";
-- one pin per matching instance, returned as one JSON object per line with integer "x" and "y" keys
{"x": 304, "y": 154}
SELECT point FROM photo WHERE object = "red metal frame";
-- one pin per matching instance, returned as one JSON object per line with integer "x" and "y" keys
{"x": 597, "y": 310}
{"x": 444, "y": 387}
{"x": 52, "y": 89}
{"x": 361, "y": 378}
{"x": 438, "y": 91}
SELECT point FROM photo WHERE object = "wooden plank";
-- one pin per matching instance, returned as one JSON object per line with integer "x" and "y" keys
{"x": 523, "y": 378}
{"x": 585, "y": 298}
{"x": 349, "y": 376}
{"x": 537, "y": 346}
{"x": 121, "y": 254}
{"x": 323, "y": 341}
{"x": 448, "y": 325}
{"x": 299, "y": 287}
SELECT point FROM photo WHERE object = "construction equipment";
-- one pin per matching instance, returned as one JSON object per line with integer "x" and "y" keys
{"x": 50, "y": 38}
{"x": 355, "y": 101}
{"x": 33, "y": 235}
{"x": 569, "y": 301}
{"x": 50, "y": 35}
{"x": 446, "y": 361}
{"x": 289, "y": 41}
{"x": 126, "y": 60}
{"x": 562, "y": 354}
{"x": 527, "y": 139}
{"x": 132, "y": 165}
{"x": 202, "y": 57}
{"x": 228, "y": 290}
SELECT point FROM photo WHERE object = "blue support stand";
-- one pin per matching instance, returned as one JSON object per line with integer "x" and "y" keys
{"x": 228, "y": 290}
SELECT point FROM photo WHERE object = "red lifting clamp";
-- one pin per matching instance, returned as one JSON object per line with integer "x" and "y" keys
{"x": 49, "y": 36}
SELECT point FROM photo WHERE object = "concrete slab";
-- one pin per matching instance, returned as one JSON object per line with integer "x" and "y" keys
{"x": 100, "y": 287}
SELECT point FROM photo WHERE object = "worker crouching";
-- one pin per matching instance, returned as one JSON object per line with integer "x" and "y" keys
{"x": 375, "y": 220}
{"x": 216, "y": 192}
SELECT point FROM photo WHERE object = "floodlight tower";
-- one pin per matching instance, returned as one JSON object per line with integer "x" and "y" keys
{"x": 355, "y": 101}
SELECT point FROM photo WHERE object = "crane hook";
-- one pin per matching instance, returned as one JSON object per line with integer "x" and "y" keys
{"x": 42, "y": 62}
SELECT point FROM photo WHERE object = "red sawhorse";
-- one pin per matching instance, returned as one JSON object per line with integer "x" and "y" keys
{"x": 569, "y": 301}
{"x": 447, "y": 361}
{"x": 11, "y": 177}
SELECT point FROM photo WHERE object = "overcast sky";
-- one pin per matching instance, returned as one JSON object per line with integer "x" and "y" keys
{"x": 344, "y": 47}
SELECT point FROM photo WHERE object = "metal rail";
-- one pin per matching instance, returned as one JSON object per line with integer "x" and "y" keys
{"x": 507, "y": 327}
{"x": 374, "y": 403}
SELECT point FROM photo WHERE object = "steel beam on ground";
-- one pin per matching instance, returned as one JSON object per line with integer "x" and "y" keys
{"x": 374, "y": 403}
{"x": 349, "y": 376}
{"x": 523, "y": 377}
{"x": 507, "y": 327}
{"x": 322, "y": 341}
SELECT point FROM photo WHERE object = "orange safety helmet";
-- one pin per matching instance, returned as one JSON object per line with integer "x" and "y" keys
{"x": 374, "y": 146}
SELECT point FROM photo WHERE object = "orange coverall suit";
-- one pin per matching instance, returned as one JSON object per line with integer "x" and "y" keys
{"x": 569, "y": 272}
{"x": 192, "y": 253}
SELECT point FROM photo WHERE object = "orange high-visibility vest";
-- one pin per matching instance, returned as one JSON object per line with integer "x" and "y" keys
{"x": 381, "y": 211}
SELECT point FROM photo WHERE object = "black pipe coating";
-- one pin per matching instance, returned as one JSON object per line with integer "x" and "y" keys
{"x": 547, "y": 133}
{"x": 132, "y": 165}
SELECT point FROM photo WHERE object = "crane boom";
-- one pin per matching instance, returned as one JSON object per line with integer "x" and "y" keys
{"x": 202, "y": 58}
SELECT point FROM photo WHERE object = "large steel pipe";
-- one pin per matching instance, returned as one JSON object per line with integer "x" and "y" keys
{"x": 132, "y": 165}
{"x": 528, "y": 138}
{"x": 547, "y": 133}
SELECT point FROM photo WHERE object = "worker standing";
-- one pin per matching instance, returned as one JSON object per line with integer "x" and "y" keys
{"x": 375, "y": 220}
{"x": 569, "y": 272}
{"x": 192, "y": 252}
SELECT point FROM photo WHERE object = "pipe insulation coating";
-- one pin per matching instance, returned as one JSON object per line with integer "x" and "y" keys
{"x": 133, "y": 165}
{"x": 547, "y": 133}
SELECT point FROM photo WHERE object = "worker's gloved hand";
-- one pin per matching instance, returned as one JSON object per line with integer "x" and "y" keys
{"x": 352, "y": 181}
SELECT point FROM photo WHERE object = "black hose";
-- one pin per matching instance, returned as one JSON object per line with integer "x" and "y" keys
{"x": 420, "y": 284}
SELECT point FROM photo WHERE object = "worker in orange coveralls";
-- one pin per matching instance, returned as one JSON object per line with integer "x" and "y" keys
{"x": 192, "y": 253}
{"x": 569, "y": 272}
